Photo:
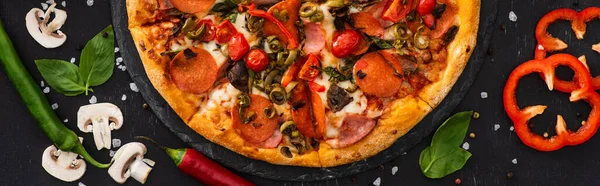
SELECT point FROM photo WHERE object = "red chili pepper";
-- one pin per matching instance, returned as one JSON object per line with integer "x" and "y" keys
{"x": 548, "y": 43}
{"x": 198, "y": 166}
{"x": 316, "y": 87}
{"x": 291, "y": 72}
{"x": 425, "y": 7}
{"x": 521, "y": 117}
{"x": 396, "y": 10}
{"x": 210, "y": 30}
{"x": 293, "y": 43}
{"x": 225, "y": 31}
{"x": 237, "y": 47}
{"x": 310, "y": 69}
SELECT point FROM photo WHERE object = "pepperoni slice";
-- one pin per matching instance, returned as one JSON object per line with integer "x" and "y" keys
{"x": 354, "y": 128}
{"x": 261, "y": 128}
{"x": 193, "y": 70}
{"x": 375, "y": 76}
{"x": 318, "y": 111}
{"x": 292, "y": 7}
{"x": 193, "y": 6}
{"x": 301, "y": 110}
{"x": 368, "y": 24}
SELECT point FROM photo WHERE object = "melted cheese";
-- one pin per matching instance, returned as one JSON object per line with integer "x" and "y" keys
{"x": 223, "y": 96}
{"x": 215, "y": 52}
{"x": 240, "y": 26}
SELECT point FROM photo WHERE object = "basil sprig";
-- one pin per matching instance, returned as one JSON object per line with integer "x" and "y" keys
{"x": 95, "y": 67}
{"x": 444, "y": 156}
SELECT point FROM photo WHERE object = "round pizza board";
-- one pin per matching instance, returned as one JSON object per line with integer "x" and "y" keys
{"x": 263, "y": 169}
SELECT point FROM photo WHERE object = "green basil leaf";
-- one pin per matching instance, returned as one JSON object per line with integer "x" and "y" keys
{"x": 97, "y": 58}
{"x": 61, "y": 75}
{"x": 438, "y": 167}
{"x": 451, "y": 134}
{"x": 383, "y": 44}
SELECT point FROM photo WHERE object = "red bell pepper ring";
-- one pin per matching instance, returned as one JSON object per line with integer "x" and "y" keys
{"x": 293, "y": 43}
{"x": 520, "y": 117}
{"x": 548, "y": 43}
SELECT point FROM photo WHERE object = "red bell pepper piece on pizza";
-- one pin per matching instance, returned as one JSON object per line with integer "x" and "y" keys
{"x": 521, "y": 117}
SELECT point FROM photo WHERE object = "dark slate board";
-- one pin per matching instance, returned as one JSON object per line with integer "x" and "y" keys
{"x": 489, "y": 10}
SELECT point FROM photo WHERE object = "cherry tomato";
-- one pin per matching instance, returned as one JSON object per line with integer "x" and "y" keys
{"x": 425, "y": 7}
{"x": 310, "y": 69}
{"x": 257, "y": 60}
{"x": 429, "y": 20}
{"x": 225, "y": 31}
{"x": 396, "y": 10}
{"x": 210, "y": 32}
{"x": 345, "y": 42}
{"x": 238, "y": 47}
{"x": 316, "y": 87}
{"x": 291, "y": 72}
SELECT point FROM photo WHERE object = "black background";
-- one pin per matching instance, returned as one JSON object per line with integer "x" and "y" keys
{"x": 23, "y": 142}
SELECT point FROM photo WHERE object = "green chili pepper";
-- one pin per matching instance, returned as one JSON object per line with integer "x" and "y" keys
{"x": 254, "y": 23}
{"x": 308, "y": 9}
{"x": 189, "y": 25}
{"x": 270, "y": 77}
{"x": 274, "y": 44}
{"x": 198, "y": 34}
{"x": 291, "y": 57}
{"x": 36, "y": 102}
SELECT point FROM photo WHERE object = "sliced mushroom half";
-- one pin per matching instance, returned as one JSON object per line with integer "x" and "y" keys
{"x": 129, "y": 162}
{"x": 63, "y": 165}
{"x": 46, "y": 32}
{"x": 100, "y": 119}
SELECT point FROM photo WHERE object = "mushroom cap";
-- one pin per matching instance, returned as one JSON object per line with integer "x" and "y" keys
{"x": 42, "y": 33}
{"x": 107, "y": 111}
{"x": 126, "y": 156}
{"x": 63, "y": 165}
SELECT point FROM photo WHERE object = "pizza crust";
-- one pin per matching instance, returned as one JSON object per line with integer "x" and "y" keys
{"x": 398, "y": 118}
{"x": 459, "y": 52}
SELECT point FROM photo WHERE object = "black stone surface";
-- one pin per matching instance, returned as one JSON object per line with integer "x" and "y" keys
{"x": 23, "y": 142}
{"x": 267, "y": 170}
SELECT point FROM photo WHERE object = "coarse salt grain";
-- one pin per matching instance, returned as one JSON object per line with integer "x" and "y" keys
{"x": 466, "y": 146}
{"x": 46, "y": 90}
{"x": 133, "y": 87}
{"x": 90, "y": 2}
{"x": 540, "y": 47}
{"x": 111, "y": 153}
{"x": 80, "y": 184}
{"x": 93, "y": 100}
{"x": 124, "y": 97}
{"x": 116, "y": 143}
{"x": 484, "y": 95}
{"x": 44, "y": 6}
{"x": 66, "y": 120}
{"x": 72, "y": 60}
{"x": 377, "y": 181}
{"x": 496, "y": 127}
{"x": 394, "y": 170}
{"x": 514, "y": 161}
{"x": 50, "y": 2}
{"x": 42, "y": 84}
{"x": 116, "y": 49}
{"x": 512, "y": 16}
{"x": 54, "y": 106}
{"x": 119, "y": 60}
{"x": 512, "y": 128}
{"x": 64, "y": 4}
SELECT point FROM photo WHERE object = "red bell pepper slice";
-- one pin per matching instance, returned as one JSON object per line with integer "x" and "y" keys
{"x": 310, "y": 69}
{"x": 396, "y": 10}
{"x": 292, "y": 71}
{"x": 548, "y": 43}
{"x": 316, "y": 87}
{"x": 520, "y": 117}
{"x": 293, "y": 43}
{"x": 225, "y": 31}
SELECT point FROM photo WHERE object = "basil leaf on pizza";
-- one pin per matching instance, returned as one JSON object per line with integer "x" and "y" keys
{"x": 444, "y": 156}
{"x": 304, "y": 83}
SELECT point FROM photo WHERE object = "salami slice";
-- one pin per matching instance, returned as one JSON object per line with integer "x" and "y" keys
{"x": 374, "y": 75}
{"x": 354, "y": 128}
{"x": 301, "y": 110}
{"x": 368, "y": 24}
{"x": 193, "y": 70}
{"x": 261, "y": 128}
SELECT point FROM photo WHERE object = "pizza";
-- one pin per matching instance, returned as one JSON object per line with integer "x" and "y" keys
{"x": 303, "y": 83}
